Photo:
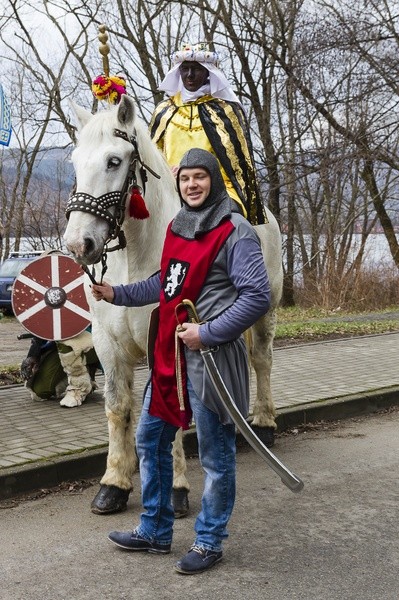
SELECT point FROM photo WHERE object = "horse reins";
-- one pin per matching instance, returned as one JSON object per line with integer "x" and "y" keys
{"x": 99, "y": 207}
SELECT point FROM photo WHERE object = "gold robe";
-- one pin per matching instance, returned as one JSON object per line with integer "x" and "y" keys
{"x": 219, "y": 127}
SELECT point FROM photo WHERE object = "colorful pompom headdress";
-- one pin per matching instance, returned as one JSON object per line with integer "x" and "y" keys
{"x": 111, "y": 88}
{"x": 107, "y": 87}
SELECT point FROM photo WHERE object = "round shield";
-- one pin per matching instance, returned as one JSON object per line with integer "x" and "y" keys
{"x": 49, "y": 300}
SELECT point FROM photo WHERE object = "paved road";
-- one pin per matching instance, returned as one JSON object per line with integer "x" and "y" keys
{"x": 336, "y": 540}
{"x": 12, "y": 350}
{"x": 43, "y": 444}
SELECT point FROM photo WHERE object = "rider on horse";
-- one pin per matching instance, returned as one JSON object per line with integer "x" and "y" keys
{"x": 204, "y": 112}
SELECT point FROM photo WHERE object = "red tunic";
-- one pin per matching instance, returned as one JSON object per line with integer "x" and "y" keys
{"x": 184, "y": 268}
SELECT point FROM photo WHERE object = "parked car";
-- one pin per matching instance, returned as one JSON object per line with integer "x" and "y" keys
{"x": 9, "y": 270}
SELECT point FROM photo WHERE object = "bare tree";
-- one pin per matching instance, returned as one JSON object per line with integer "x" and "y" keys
{"x": 36, "y": 79}
{"x": 318, "y": 80}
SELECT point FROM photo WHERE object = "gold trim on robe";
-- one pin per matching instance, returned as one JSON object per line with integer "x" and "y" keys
{"x": 217, "y": 126}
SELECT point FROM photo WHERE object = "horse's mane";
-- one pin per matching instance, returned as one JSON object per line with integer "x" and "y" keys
{"x": 149, "y": 152}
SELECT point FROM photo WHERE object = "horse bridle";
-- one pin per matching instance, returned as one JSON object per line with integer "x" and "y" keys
{"x": 83, "y": 202}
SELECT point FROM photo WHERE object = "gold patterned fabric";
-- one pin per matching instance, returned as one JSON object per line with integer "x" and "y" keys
{"x": 219, "y": 127}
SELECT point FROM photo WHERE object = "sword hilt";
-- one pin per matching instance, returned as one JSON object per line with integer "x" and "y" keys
{"x": 191, "y": 311}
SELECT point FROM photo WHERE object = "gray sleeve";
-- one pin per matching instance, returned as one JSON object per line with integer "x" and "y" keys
{"x": 140, "y": 293}
{"x": 246, "y": 270}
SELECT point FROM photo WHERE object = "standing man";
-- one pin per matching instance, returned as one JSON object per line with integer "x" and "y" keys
{"x": 204, "y": 112}
{"x": 213, "y": 257}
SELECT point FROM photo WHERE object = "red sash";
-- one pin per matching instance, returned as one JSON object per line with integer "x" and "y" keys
{"x": 184, "y": 267}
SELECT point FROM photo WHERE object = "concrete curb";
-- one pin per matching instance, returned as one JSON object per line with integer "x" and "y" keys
{"x": 335, "y": 409}
{"x": 91, "y": 463}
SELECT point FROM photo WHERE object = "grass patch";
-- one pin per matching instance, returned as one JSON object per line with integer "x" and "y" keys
{"x": 299, "y": 313}
{"x": 317, "y": 329}
{"x": 317, "y": 323}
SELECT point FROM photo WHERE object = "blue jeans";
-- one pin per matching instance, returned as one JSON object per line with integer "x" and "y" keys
{"x": 216, "y": 445}
{"x": 154, "y": 439}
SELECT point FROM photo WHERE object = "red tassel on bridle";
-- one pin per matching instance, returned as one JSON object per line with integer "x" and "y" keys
{"x": 137, "y": 207}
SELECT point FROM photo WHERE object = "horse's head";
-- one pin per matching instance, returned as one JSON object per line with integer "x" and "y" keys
{"x": 104, "y": 162}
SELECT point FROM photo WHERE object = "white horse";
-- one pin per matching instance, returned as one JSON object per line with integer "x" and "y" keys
{"x": 114, "y": 153}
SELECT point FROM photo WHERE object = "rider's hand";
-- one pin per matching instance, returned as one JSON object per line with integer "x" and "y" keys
{"x": 103, "y": 292}
{"x": 190, "y": 336}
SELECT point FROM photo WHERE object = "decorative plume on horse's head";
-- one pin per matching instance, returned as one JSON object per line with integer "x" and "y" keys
{"x": 107, "y": 87}
{"x": 110, "y": 89}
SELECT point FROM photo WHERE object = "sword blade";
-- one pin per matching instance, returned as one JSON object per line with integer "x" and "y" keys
{"x": 292, "y": 481}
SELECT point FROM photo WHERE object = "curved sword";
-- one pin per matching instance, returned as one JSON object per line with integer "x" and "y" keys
{"x": 292, "y": 481}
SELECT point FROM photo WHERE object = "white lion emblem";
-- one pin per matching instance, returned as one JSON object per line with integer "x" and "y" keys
{"x": 175, "y": 278}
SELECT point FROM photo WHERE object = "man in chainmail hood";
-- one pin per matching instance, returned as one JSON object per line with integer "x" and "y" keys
{"x": 191, "y": 222}
{"x": 211, "y": 256}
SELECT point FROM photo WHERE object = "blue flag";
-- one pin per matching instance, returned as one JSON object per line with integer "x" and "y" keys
{"x": 5, "y": 119}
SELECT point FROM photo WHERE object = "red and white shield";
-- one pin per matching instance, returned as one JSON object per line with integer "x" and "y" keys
{"x": 49, "y": 300}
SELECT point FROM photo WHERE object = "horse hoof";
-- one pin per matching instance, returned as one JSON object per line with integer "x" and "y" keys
{"x": 265, "y": 434}
{"x": 180, "y": 502}
{"x": 109, "y": 499}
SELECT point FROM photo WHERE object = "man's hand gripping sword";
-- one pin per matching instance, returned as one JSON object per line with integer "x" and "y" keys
{"x": 292, "y": 481}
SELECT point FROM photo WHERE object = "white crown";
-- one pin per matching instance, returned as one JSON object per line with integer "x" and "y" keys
{"x": 199, "y": 53}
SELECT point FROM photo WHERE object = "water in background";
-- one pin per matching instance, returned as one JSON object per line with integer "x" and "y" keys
{"x": 376, "y": 254}
{"x": 29, "y": 244}
{"x": 377, "y": 251}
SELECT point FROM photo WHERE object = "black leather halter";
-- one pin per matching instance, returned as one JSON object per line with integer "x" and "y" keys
{"x": 100, "y": 207}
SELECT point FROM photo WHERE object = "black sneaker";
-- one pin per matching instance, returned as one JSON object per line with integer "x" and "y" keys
{"x": 198, "y": 560}
{"x": 130, "y": 540}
